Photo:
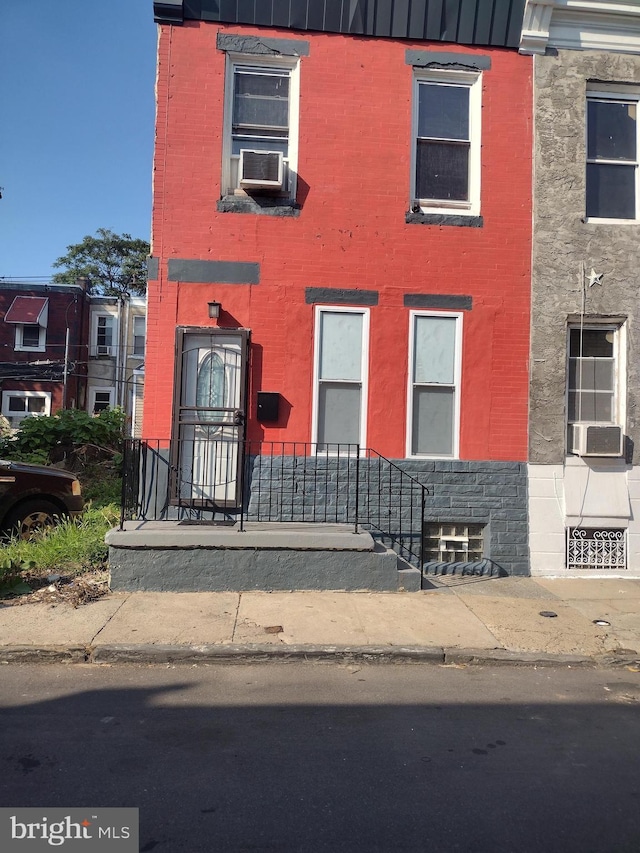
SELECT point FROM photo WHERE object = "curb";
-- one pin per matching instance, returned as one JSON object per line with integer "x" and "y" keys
{"x": 250, "y": 654}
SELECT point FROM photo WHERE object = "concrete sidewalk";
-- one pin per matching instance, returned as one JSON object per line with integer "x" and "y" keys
{"x": 457, "y": 620}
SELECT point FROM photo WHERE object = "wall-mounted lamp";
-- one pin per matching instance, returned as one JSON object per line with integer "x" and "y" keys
{"x": 214, "y": 310}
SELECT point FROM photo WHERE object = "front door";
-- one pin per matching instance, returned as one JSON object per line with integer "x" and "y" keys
{"x": 209, "y": 417}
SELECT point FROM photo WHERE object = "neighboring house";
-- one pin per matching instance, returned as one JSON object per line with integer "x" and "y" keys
{"x": 43, "y": 330}
{"x": 584, "y": 472}
{"x": 342, "y": 214}
{"x": 116, "y": 343}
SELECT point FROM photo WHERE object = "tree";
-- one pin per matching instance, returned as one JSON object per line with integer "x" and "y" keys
{"x": 114, "y": 264}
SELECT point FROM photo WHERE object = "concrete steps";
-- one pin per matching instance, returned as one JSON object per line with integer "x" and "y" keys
{"x": 173, "y": 556}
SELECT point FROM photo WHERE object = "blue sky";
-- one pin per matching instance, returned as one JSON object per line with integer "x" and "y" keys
{"x": 76, "y": 126}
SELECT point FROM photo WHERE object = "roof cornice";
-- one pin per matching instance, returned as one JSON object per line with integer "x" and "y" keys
{"x": 612, "y": 25}
{"x": 168, "y": 11}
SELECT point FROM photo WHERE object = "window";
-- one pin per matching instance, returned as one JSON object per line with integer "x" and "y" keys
{"x": 139, "y": 324}
{"x": 103, "y": 334}
{"x": 17, "y": 405}
{"x": 593, "y": 375}
{"x": 261, "y": 120}
{"x": 454, "y": 543}
{"x": 341, "y": 376}
{"x": 612, "y": 156}
{"x": 446, "y": 157}
{"x": 434, "y": 383}
{"x": 100, "y": 399}
{"x": 30, "y": 337}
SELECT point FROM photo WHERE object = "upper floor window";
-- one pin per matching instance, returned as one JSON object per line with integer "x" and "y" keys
{"x": 612, "y": 156}
{"x": 446, "y": 155}
{"x": 29, "y": 315}
{"x": 103, "y": 334}
{"x": 30, "y": 337}
{"x": 434, "y": 384}
{"x": 261, "y": 126}
{"x": 139, "y": 325}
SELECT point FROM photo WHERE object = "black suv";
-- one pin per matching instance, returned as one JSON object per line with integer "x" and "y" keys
{"x": 33, "y": 497}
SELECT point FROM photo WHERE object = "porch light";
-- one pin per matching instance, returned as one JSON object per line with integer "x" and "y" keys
{"x": 214, "y": 310}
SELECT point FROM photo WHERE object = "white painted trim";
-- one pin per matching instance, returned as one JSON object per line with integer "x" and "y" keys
{"x": 107, "y": 389}
{"x": 581, "y": 25}
{"x": 9, "y": 392}
{"x": 472, "y": 80}
{"x": 458, "y": 316}
{"x": 364, "y": 369}
{"x": 284, "y": 63}
{"x": 42, "y": 338}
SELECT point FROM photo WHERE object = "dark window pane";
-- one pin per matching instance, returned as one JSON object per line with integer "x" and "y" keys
{"x": 611, "y": 130}
{"x": 261, "y": 100}
{"x": 442, "y": 170}
{"x": 30, "y": 336}
{"x": 17, "y": 404}
{"x": 443, "y": 111}
{"x": 596, "y": 343}
{"x": 611, "y": 191}
{"x": 36, "y": 404}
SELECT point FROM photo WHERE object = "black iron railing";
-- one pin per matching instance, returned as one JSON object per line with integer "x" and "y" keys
{"x": 211, "y": 480}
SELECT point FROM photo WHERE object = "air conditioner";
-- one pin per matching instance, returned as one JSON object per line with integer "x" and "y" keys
{"x": 597, "y": 440}
{"x": 261, "y": 169}
{"x": 102, "y": 350}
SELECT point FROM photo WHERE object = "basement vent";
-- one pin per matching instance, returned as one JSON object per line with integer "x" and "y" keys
{"x": 595, "y": 548}
{"x": 453, "y": 543}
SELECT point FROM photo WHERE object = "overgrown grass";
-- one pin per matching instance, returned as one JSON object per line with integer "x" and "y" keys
{"x": 70, "y": 548}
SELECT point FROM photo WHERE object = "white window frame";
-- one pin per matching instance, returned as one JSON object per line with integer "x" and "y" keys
{"x": 473, "y": 81}
{"x": 413, "y": 315}
{"x": 25, "y": 395}
{"x": 364, "y": 369}
{"x": 630, "y": 95}
{"x": 284, "y": 63}
{"x": 19, "y": 342}
{"x": 109, "y": 389}
{"x": 141, "y": 319}
{"x": 619, "y": 369}
{"x": 94, "y": 332}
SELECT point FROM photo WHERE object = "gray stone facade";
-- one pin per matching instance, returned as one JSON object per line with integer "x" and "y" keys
{"x": 566, "y": 246}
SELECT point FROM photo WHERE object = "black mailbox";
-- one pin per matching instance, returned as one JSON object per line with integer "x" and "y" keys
{"x": 268, "y": 406}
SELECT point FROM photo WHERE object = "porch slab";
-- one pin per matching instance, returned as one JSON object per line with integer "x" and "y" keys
{"x": 256, "y": 534}
{"x": 178, "y": 557}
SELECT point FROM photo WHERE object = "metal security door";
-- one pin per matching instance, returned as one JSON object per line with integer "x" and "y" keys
{"x": 209, "y": 417}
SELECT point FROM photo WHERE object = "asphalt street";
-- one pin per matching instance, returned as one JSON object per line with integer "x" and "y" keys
{"x": 333, "y": 757}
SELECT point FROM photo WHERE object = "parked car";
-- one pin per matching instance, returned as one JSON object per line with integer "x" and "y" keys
{"x": 33, "y": 497}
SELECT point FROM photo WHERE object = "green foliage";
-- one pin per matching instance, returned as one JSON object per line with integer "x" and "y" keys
{"x": 69, "y": 548}
{"x": 38, "y": 440}
{"x": 115, "y": 264}
{"x": 11, "y": 582}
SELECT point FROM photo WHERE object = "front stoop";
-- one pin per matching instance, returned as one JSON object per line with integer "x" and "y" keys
{"x": 166, "y": 556}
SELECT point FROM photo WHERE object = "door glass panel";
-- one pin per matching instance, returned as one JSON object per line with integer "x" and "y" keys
{"x": 210, "y": 385}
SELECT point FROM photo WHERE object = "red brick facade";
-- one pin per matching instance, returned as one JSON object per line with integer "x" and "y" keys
{"x": 354, "y": 168}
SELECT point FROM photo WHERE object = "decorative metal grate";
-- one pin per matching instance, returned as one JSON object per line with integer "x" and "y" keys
{"x": 596, "y": 548}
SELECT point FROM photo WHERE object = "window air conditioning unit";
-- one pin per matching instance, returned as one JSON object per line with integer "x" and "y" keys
{"x": 102, "y": 350}
{"x": 597, "y": 440}
{"x": 261, "y": 169}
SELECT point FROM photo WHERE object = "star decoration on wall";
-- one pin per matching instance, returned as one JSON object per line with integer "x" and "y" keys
{"x": 594, "y": 278}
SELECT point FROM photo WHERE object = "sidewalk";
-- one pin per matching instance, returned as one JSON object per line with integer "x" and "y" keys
{"x": 458, "y": 620}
